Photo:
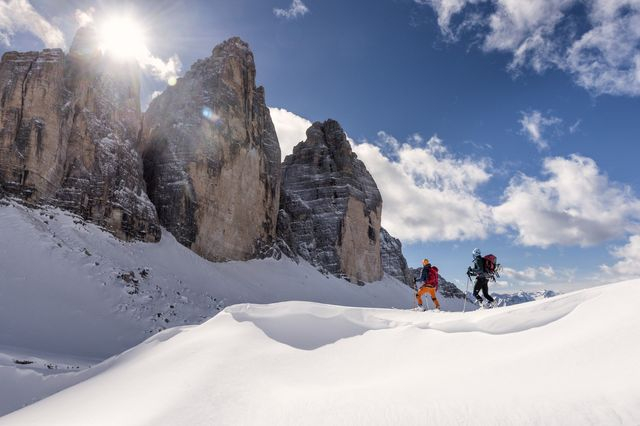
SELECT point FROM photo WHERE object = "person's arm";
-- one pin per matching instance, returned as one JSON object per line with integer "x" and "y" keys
{"x": 423, "y": 276}
{"x": 476, "y": 269}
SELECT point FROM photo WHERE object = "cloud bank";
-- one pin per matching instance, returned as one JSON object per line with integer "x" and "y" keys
{"x": 576, "y": 205}
{"x": 20, "y": 16}
{"x": 596, "y": 41}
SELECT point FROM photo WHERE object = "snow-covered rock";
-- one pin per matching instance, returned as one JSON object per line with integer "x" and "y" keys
{"x": 393, "y": 261}
{"x": 330, "y": 206}
{"x": 212, "y": 158}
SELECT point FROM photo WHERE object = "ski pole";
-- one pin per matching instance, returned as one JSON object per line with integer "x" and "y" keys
{"x": 466, "y": 292}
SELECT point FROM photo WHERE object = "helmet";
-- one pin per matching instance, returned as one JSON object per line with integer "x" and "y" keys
{"x": 425, "y": 262}
{"x": 476, "y": 252}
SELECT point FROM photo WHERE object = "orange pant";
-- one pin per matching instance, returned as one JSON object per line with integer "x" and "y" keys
{"x": 432, "y": 291}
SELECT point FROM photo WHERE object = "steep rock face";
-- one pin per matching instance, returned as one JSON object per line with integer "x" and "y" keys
{"x": 33, "y": 124}
{"x": 70, "y": 126}
{"x": 212, "y": 158}
{"x": 103, "y": 178}
{"x": 330, "y": 206}
{"x": 393, "y": 261}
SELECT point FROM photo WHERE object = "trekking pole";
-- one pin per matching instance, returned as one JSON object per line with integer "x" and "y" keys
{"x": 466, "y": 292}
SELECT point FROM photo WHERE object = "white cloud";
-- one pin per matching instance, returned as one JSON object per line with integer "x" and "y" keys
{"x": 534, "y": 125}
{"x": 84, "y": 17}
{"x": 600, "y": 49}
{"x": 628, "y": 265}
{"x": 291, "y": 129}
{"x": 575, "y": 205}
{"x": 296, "y": 10}
{"x": 428, "y": 193}
{"x": 159, "y": 68}
{"x": 20, "y": 16}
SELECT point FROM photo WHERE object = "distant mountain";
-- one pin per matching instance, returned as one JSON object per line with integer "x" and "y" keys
{"x": 509, "y": 299}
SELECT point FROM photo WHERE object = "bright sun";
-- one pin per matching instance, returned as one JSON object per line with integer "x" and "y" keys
{"x": 122, "y": 37}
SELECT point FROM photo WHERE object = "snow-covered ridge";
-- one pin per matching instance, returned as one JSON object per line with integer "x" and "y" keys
{"x": 570, "y": 359}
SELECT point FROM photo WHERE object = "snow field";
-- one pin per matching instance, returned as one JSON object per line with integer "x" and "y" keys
{"x": 566, "y": 360}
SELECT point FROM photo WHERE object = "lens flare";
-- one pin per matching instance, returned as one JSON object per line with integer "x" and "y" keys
{"x": 122, "y": 37}
{"x": 210, "y": 115}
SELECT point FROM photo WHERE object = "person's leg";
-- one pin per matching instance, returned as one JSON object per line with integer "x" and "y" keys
{"x": 432, "y": 292}
{"x": 476, "y": 289}
{"x": 485, "y": 291}
{"x": 419, "y": 295}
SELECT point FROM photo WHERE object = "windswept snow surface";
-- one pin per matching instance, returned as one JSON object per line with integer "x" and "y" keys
{"x": 569, "y": 360}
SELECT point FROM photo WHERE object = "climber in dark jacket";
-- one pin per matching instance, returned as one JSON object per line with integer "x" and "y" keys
{"x": 482, "y": 278}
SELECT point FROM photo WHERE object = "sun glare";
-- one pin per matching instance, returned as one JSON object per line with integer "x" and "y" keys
{"x": 122, "y": 37}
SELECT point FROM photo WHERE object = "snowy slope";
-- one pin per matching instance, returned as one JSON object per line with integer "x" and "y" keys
{"x": 72, "y": 295}
{"x": 571, "y": 359}
{"x": 69, "y": 288}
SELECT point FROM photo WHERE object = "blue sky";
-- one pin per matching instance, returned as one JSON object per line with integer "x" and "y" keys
{"x": 509, "y": 126}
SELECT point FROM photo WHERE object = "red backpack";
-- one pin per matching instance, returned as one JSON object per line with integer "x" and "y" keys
{"x": 432, "y": 280}
{"x": 489, "y": 263}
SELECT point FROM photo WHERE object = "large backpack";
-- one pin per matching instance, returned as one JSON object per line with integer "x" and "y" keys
{"x": 490, "y": 265}
{"x": 432, "y": 279}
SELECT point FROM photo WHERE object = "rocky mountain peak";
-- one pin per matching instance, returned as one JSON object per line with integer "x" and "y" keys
{"x": 212, "y": 158}
{"x": 330, "y": 206}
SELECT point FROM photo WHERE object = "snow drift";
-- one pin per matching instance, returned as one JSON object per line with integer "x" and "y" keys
{"x": 571, "y": 359}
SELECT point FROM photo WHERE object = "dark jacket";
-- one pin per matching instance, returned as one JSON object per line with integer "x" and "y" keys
{"x": 477, "y": 268}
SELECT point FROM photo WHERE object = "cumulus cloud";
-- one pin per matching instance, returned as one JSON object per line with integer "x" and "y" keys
{"x": 429, "y": 193}
{"x": 20, "y": 16}
{"x": 291, "y": 129}
{"x": 600, "y": 47}
{"x": 628, "y": 265}
{"x": 534, "y": 125}
{"x": 160, "y": 69}
{"x": 84, "y": 17}
{"x": 296, "y": 10}
{"x": 575, "y": 205}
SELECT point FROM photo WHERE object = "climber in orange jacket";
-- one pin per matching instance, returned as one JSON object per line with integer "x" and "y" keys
{"x": 427, "y": 283}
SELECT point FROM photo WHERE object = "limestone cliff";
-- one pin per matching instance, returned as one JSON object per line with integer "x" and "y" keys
{"x": 33, "y": 123}
{"x": 69, "y": 128}
{"x": 393, "y": 261}
{"x": 330, "y": 206}
{"x": 212, "y": 158}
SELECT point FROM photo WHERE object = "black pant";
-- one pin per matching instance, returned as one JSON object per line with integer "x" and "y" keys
{"x": 482, "y": 284}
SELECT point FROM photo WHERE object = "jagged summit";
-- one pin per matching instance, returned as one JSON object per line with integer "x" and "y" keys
{"x": 212, "y": 158}
{"x": 330, "y": 206}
